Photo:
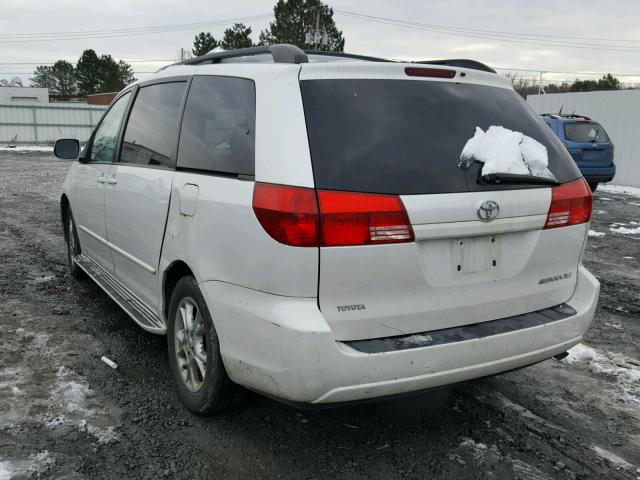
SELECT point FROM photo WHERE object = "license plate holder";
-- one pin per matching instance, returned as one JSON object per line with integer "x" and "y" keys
{"x": 475, "y": 254}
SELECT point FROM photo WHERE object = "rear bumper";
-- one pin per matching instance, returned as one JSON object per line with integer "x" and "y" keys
{"x": 598, "y": 174}
{"x": 283, "y": 347}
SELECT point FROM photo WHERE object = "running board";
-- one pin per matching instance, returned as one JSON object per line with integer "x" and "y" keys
{"x": 125, "y": 298}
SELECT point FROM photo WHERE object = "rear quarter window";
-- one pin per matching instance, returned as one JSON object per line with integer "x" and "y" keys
{"x": 218, "y": 127}
{"x": 406, "y": 136}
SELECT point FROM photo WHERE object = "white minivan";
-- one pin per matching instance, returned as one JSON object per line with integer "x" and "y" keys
{"x": 301, "y": 225}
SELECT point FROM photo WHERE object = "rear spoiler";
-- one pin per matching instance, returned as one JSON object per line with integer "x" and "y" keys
{"x": 461, "y": 63}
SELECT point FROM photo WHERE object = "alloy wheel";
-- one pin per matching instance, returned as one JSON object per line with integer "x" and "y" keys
{"x": 190, "y": 345}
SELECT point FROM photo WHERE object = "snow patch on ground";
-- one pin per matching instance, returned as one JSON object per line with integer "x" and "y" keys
{"x": 581, "y": 353}
{"x": 522, "y": 411}
{"x": 625, "y": 231}
{"x": 103, "y": 435}
{"x": 506, "y": 151}
{"x": 26, "y": 148}
{"x": 61, "y": 400}
{"x": 492, "y": 455}
{"x": 32, "y": 465}
{"x": 625, "y": 370}
{"x": 612, "y": 458}
{"x": 634, "y": 191}
{"x": 5, "y": 471}
{"x": 470, "y": 443}
{"x": 593, "y": 233}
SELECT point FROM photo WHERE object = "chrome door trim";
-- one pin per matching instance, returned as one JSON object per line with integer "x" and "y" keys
{"x": 117, "y": 249}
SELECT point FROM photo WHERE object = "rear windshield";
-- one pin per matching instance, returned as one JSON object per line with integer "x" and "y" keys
{"x": 406, "y": 136}
{"x": 585, "y": 132}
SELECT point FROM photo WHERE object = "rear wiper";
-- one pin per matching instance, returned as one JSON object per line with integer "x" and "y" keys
{"x": 517, "y": 178}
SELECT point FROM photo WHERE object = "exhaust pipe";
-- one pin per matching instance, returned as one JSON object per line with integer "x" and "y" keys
{"x": 560, "y": 356}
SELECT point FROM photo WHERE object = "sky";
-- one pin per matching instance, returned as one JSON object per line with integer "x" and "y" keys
{"x": 508, "y": 34}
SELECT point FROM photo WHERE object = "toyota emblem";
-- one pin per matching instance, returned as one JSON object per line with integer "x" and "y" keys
{"x": 488, "y": 210}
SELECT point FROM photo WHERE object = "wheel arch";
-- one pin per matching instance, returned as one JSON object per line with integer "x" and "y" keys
{"x": 173, "y": 273}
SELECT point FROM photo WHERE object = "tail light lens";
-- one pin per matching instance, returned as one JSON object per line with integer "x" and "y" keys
{"x": 293, "y": 216}
{"x": 571, "y": 204}
{"x": 288, "y": 214}
{"x": 362, "y": 219}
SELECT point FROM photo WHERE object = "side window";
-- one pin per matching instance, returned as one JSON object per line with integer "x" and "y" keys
{"x": 152, "y": 130}
{"x": 103, "y": 148}
{"x": 218, "y": 128}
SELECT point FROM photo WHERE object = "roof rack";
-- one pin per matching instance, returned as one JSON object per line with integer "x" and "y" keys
{"x": 352, "y": 56}
{"x": 564, "y": 115}
{"x": 462, "y": 63}
{"x": 286, "y": 53}
{"x": 281, "y": 53}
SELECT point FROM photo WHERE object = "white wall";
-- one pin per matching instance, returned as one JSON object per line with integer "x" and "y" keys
{"x": 30, "y": 95}
{"x": 43, "y": 124}
{"x": 619, "y": 113}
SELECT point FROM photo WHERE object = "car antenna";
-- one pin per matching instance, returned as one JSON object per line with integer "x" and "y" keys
{"x": 560, "y": 111}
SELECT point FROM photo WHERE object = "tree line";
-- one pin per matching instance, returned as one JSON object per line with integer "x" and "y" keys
{"x": 92, "y": 74}
{"x": 100, "y": 74}
{"x": 292, "y": 20}
{"x": 527, "y": 86}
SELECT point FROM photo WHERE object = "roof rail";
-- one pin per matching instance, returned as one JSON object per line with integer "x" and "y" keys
{"x": 462, "y": 63}
{"x": 281, "y": 53}
{"x": 324, "y": 53}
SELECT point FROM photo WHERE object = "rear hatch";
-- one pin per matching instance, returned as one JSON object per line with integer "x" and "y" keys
{"x": 588, "y": 143}
{"x": 373, "y": 129}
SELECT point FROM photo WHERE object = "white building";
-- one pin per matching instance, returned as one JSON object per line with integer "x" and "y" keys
{"x": 22, "y": 95}
{"x": 618, "y": 111}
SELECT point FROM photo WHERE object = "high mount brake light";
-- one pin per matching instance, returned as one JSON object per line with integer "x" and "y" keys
{"x": 295, "y": 216}
{"x": 571, "y": 204}
{"x": 429, "y": 72}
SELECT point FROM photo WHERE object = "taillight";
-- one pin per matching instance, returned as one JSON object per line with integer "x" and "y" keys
{"x": 348, "y": 218}
{"x": 288, "y": 214}
{"x": 570, "y": 204}
{"x": 291, "y": 215}
{"x": 429, "y": 72}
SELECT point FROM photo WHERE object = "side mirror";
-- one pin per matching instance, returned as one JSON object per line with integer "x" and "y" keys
{"x": 67, "y": 148}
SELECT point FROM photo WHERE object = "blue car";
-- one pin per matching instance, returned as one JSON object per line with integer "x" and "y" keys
{"x": 588, "y": 144}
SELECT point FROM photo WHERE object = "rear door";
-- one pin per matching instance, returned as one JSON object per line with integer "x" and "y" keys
{"x": 139, "y": 188}
{"x": 88, "y": 203}
{"x": 403, "y": 136}
{"x": 588, "y": 143}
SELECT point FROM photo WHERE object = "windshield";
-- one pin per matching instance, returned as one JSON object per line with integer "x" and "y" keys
{"x": 585, "y": 132}
{"x": 406, "y": 136}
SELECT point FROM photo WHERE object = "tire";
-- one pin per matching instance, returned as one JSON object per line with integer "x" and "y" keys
{"x": 194, "y": 353}
{"x": 73, "y": 245}
{"x": 593, "y": 186}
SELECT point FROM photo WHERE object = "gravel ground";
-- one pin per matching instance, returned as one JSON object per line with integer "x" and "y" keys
{"x": 65, "y": 414}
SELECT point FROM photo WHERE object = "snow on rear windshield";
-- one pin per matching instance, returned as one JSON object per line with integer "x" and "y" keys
{"x": 505, "y": 151}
